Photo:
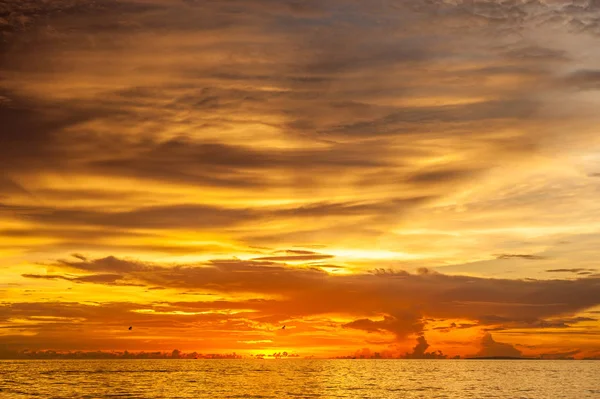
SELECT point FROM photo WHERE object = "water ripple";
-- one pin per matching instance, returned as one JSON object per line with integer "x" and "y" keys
{"x": 240, "y": 379}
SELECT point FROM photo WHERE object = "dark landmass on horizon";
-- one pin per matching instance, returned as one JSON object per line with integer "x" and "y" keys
{"x": 177, "y": 355}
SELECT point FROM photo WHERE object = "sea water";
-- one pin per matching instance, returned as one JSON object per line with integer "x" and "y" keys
{"x": 299, "y": 378}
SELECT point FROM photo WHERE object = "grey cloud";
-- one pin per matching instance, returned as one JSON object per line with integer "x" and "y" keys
{"x": 80, "y": 257}
{"x": 536, "y": 54}
{"x": 182, "y": 216}
{"x": 492, "y": 348}
{"x": 401, "y": 324}
{"x": 9, "y": 186}
{"x": 107, "y": 279}
{"x": 550, "y": 323}
{"x": 25, "y": 15}
{"x": 521, "y": 14}
{"x": 205, "y": 216}
{"x": 299, "y": 252}
{"x": 404, "y": 121}
{"x": 574, "y": 270}
{"x": 294, "y": 257}
{"x": 108, "y": 264}
{"x": 560, "y": 355}
{"x": 442, "y": 176}
{"x": 453, "y": 326}
{"x": 218, "y": 164}
{"x": 356, "y": 208}
{"x": 33, "y": 134}
{"x": 520, "y": 256}
{"x": 70, "y": 234}
{"x": 420, "y": 351}
{"x": 585, "y": 79}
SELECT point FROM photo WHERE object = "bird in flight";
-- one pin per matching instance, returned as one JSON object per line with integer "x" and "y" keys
{"x": 130, "y": 328}
{"x": 283, "y": 328}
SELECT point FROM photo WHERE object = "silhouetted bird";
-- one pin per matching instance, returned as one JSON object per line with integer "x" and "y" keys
{"x": 283, "y": 328}
{"x": 130, "y": 328}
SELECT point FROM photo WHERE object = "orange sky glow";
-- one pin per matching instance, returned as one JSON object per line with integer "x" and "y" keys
{"x": 399, "y": 177}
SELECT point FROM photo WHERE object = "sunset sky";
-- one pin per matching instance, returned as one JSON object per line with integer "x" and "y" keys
{"x": 364, "y": 172}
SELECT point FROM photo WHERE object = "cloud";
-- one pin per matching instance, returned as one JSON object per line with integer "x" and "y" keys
{"x": 491, "y": 348}
{"x": 520, "y": 256}
{"x": 80, "y": 257}
{"x": 183, "y": 216}
{"x": 560, "y": 355}
{"x": 108, "y": 264}
{"x": 389, "y": 304}
{"x": 294, "y": 257}
{"x": 309, "y": 291}
{"x": 573, "y": 270}
{"x": 199, "y": 216}
{"x": 453, "y": 326}
{"x": 536, "y": 53}
{"x": 8, "y": 186}
{"x": 585, "y": 79}
{"x": 401, "y": 324}
{"x": 107, "y": 279}
{"x": 420, "y": 351}
{"x": 51, "y": 354}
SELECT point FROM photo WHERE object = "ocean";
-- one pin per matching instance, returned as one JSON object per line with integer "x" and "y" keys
{"x": 299, "y": 378}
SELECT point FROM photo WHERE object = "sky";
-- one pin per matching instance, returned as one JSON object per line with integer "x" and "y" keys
{"x": 398, "y": 177}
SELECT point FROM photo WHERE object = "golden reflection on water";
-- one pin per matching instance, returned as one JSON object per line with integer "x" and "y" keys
{"x": 299, "y": 379}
